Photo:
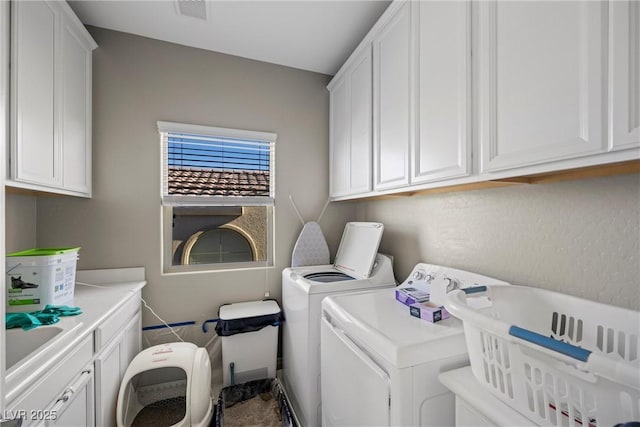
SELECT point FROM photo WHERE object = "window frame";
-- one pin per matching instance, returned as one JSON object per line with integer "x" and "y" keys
{"x": 168, "y": 202}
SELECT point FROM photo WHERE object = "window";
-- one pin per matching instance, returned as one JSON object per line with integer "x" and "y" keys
{"x": 217, "y": 197}
{"x": 217, "y": 245}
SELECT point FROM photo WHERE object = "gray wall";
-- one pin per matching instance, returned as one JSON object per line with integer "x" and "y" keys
{"x": 578, "y": 237}
{"x": 138, "y": 81}
{"x": 20, "y": 219}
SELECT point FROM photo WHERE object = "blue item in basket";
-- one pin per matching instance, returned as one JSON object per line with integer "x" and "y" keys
{"x": 48, "y": 316}
{"x": 546, "y": 342}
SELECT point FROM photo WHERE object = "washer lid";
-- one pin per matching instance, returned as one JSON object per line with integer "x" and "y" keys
{"x": 242, "y": 310}
{"x": 358, "y": 248}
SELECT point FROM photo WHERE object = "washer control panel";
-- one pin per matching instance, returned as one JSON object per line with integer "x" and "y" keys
{"x": 438, "y": 280}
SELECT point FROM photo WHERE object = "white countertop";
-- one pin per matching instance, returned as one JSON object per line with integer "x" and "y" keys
{"x": 109, "y": 290}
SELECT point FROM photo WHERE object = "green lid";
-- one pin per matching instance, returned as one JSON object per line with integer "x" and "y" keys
{"x": 44, "y": 251}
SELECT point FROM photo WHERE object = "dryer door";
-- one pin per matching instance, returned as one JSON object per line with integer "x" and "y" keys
{"x": 355, "y": 390}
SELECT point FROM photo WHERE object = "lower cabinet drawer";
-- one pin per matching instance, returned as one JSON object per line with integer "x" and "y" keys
{"x": 45, "y": 392}
{"x": 116, "y": 322}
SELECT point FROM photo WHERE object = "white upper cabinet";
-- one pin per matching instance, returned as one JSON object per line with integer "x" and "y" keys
{"x": 339, "y": 138}
{"x": 392, "y": 100}
{"x": 36, "y": 153}
{"x": 443, "y": 48}
{"x": 472, "y": 91}
{"x": 360, "y": 154}
{"x": 76, "y": 110}
{"x": 541, "y": 81}
{"x": 51, "y": 99}
{"x": 351, "y": 128}
{"x": 624, "y": 74}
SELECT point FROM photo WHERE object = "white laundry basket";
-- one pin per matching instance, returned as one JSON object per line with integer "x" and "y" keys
{"x": 557, "y": 359}
{"x": 167, "y": 385}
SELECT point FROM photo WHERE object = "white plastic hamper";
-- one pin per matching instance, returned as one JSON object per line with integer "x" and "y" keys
{"x": 557, "y": 359}
{"x": 249, "y": 335}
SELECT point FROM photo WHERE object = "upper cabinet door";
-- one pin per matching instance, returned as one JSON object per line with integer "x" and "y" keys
{"x": 339, "y": 131}
{"x": 360, "y": 157}
{"x": 443, "y": 146}
{"x": 36, "y": 145}
{"x": 76, "y": 110}
{"x": 541, "y": 81}
{"x": 624, "y": 74}
{"x": 392, "y": 102}
{"x": 350, "y": 141}
{"x": 51, "y": 98}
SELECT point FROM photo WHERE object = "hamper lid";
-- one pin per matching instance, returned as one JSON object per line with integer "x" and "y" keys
{"x": 247, "y": 317}
{"x": 248, "y": 309}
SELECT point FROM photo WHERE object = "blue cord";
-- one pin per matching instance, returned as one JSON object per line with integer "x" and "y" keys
{"x": 151, "y": 328}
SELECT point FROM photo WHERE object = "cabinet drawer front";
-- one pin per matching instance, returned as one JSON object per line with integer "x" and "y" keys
{"x": 116, "y": 322}
{"x": 43, "y": 393}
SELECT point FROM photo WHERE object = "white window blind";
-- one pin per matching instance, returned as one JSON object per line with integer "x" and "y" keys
{"x": 216, "y": 166}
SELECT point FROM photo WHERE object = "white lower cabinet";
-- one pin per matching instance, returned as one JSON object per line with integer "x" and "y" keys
{"x": 66, "y": 391}
{"x": 110, "y": 366}
{"x": 75, "y": 406}
{"x": 82, "y": 389}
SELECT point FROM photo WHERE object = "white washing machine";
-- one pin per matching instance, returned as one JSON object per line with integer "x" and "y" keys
{"x": 357, "y": 266}
{"x": 380, "y": 365}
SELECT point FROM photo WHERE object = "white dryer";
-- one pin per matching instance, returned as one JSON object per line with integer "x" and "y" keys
{"x": 477, "y": 407}
{"x": 380, "y": 365}
{"x": 357, "y": 266}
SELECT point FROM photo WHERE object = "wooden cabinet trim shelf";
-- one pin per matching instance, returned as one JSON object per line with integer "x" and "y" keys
{"x": 622, "y": 168}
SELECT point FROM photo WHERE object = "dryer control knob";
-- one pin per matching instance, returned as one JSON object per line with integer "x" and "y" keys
{"x": 417, "y": 275}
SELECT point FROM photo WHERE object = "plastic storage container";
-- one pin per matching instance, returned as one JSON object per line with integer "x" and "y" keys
{"x": 557, "y": 359}
{"x": 38, "y": 277}
{"x": 249, "y": 335}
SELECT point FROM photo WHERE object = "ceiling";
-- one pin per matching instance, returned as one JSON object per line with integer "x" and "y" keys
{"x": 313, "y": 35}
